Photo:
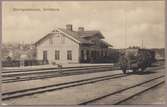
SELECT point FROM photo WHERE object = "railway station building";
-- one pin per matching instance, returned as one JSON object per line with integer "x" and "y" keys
{"x": 65, "y": 45}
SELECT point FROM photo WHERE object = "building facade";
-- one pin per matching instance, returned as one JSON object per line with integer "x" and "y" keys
{"x": 69, "y": 46}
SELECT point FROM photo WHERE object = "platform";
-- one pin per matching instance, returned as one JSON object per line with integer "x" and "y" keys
{"x": 52, "y": 66}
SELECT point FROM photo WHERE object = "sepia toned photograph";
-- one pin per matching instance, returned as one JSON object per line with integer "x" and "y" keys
{"x": 83, "y": 52}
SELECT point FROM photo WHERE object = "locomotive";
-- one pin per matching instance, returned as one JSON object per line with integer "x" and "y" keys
{"x": 136, "y": 59}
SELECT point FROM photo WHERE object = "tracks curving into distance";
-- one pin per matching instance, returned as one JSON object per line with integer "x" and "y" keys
{"x": 37, "y": 90}
{"x": 117, "y": 96}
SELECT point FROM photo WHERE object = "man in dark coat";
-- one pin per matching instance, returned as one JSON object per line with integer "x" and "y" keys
{"x": 123, "y": 62}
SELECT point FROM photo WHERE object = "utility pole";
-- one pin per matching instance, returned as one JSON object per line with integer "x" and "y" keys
{"x": 142, "y": 44}
{"x": 125, "y": 23}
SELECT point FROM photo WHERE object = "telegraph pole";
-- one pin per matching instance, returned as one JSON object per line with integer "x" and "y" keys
{"x": 142, "y": 44}
{"x": 125, "y": 23}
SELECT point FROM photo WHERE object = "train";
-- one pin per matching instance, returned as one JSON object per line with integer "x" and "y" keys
{"x": 136, "y": 59}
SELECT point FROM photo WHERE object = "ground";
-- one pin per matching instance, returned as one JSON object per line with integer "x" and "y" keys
{"x": 82, "y": 93}
{"x": 153, "y": 96}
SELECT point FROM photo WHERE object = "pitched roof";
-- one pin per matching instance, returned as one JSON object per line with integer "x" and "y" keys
{"x": 79, "y": 37}
{"x": 106, "y": 43}
{"x": 43, "y": 38}
{"x": 91, "y": 33}
{"x": 76, "y": 35}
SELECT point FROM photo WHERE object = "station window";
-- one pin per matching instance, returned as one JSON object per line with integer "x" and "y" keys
{"x": 45, "y": 55}
{"x": 69, "y": 55}
{"x": 57, "y": 54}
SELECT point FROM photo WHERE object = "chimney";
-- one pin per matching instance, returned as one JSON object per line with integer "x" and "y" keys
{"x": 80, "y": 29}
{"x": 69, "y": 27}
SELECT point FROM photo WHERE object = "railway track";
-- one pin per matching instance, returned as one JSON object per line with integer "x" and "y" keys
{"x": 50, "y": 74}
{"x": 122, "y": 95}
{"x": 52, "y": 68}
{"x": 13, "y": 74}
{"x": 53, "y": 87}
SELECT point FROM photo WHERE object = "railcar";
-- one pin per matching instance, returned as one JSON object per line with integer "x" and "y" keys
{"x": 136, "y": 59}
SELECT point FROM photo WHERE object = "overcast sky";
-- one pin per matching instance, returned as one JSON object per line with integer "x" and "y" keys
{"x": 137, "y": 21}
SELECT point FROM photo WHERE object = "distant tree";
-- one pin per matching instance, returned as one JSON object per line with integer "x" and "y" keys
{"x": 17, "y": 50}
{"x": 133, "y": 47}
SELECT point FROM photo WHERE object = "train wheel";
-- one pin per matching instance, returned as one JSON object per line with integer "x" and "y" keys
{"x": 142, "y": 69}
{"x": 134, "y": 70}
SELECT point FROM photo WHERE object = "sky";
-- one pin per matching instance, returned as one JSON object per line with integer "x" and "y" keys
{"x": 122, "y": 23}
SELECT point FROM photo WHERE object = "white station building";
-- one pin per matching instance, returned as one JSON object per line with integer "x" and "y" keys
{"x": 64, "y": 45}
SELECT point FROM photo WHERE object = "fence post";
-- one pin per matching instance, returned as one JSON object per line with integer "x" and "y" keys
{"x": 60, "y": 67}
